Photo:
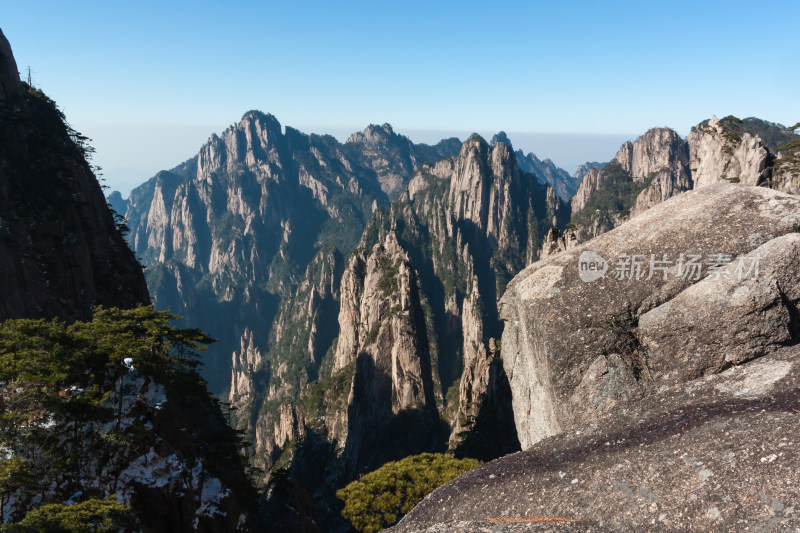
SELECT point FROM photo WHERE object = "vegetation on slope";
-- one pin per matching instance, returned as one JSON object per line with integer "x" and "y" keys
{"x": 789, "y": 160}
{"x": 615, "y": 198}
{"x": 381, "y": 498}
{"x": 66, "y": 425}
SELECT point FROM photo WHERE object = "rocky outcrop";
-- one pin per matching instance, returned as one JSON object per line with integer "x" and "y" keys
{"x": 648, "y": 171}
{"x": 741, "y": 311}
{"x": 555, "y": 242}
{"x": 660, "y": 165}
{"x": 10, "y": 85}
{"x": 559, "y": 325}
{"x": 246, "y": 362}
{"x": 60, "y": 250}
{"x": 715, "y": 454}
{"x": 394, "y": 157}
{"x": 591, "y": 183}
{"x": 659, "y": 149}
{"x": 720, "y": 152}
{"x": 393, "y": 367}
{"x": 385, "y": 310}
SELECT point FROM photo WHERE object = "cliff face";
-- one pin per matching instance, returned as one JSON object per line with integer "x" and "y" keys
{"x": 656, "y": 167}
{"x": 416, "y": 366}
{"x": 60, "y": 250}
{"x": 591, "y": 183}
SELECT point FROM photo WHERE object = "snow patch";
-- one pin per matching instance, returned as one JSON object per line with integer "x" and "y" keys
{"x": 211, "y": 497}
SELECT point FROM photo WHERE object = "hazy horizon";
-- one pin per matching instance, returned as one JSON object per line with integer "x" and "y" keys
{"x": 163, "y": 143}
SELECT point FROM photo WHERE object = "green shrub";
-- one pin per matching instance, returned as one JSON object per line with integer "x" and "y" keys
{"x": 90, "y": 516}
{"x": 379, "y": 499}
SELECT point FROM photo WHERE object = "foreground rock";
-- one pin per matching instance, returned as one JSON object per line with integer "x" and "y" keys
{"x": 719, "y": 453}
{"x": 573, "y": 350}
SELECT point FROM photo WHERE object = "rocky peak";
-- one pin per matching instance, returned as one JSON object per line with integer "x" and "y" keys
{"x": 658, "y": 149}
{"x": 555, "y": 242}
{"x": 547, "y": 173}
{"x": 721, "y": 152}
{"x": 9, "y": 76}
{"x": 500, "y": 137}
{"x": 584, "y": 169}
{"x": 374, "y": 135}
{"x": 625, "y": 156}
{"x": 591, "y": 183}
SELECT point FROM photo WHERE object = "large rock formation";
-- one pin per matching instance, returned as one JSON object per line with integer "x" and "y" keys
{"x": 394, "y": 157}
{"x": 721, "y": 152}
{"x": 61, "y": 252}
{"x": 573, "y": 348}
{"x": 660, "y": 398}
{"x": 591, "y": 183}
{"x": 642, "y": 174}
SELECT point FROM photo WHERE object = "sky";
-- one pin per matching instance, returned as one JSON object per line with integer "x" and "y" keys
{"x": 150, "y": 81}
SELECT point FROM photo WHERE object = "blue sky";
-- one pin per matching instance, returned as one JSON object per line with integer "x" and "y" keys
{"x": 149, "y": 83}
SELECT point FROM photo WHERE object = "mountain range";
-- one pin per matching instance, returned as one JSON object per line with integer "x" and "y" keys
{"x": 354, "y": 285}
{"x": 376, "y": 299}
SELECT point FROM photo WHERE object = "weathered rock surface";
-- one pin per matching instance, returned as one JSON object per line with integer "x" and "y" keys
{"x": 561, "y": 331}
{"x": 60, "y": 251}
{"x": 385, "y": 308}
{"x": 718, "y": 453}
{"x": 742, "y": 311}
